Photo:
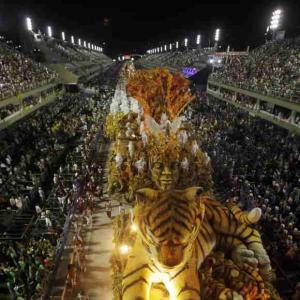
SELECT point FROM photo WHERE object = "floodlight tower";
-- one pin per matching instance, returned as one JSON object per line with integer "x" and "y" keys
{"x": 275, "y": 23}
{"x": 217, "y": 37}
{"x": 29, "y": 24}
{"x": 49, "y": 31}
{"x": 186, "y": 43}
{"x": 198, "y": 41}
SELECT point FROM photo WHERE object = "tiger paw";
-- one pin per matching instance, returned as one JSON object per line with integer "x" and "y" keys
{"x": 242, "y": 255}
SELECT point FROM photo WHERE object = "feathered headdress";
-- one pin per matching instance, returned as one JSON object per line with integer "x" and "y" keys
{"x": 160, "y": 92}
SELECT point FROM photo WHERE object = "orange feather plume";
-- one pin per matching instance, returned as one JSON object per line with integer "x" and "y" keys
{"x": 158, "y": 91}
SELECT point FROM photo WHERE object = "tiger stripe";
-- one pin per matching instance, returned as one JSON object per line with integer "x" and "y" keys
{"x": 172, "y": 218}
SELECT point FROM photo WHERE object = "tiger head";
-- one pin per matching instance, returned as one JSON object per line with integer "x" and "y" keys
{"x": 168, "y": 223}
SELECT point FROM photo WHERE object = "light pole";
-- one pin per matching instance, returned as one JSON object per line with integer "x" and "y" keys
{"x": 28, "y": 24}
{"x": 49, "y": 29}
{"x": 275, "y": 22}
{"x": 217, "y": 37}
{"x": 198, "y": 41}
{"x": 186, "y": 43}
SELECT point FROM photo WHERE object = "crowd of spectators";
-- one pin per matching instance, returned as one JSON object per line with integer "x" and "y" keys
{"x": 36, "y": 156}
{"x": 276, "y": 111}
{"x": 23, "y": 105}
{"x": 256, "y": 164}
{"x": 271, "y": 69}
{"x": 64, "y": 51}
{"x": 175, "y": 59}
{"x": 19, "y": 73}
{"x": 8, "y": 110}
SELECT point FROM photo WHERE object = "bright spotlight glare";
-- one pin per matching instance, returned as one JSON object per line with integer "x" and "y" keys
{"x": 49, "y": 31}
{"x": 124, "y": 249}
{"x": 217, "y": 34}
{"x": 198, "y": 39}
{"x": 63, "y": 37}
{"x": 275, "y": 17}
{"x": 72, "y": 39}
{"x": 185, "y": 42}
{"x": 274, "y": 22}
{"x": 133, "y": 227}
{"x": 165, "y": 279}
{"x": 28, "y": 24}
{"x": 277, "y": 12}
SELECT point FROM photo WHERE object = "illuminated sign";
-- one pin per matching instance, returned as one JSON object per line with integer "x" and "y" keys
{"x": 189, "y": 71}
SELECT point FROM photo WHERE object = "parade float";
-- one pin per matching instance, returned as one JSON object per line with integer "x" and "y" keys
{"x": 177, "y": 241}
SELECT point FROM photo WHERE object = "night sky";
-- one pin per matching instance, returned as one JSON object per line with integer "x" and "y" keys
{"x": 134, "y": 28}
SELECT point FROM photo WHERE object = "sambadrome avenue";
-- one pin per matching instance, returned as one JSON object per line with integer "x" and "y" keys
{"x": 150, "y": 150}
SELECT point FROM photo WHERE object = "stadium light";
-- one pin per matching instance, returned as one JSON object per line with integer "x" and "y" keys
{"x": 186, "y": 42}
{"x": 89, "y": 45}
{"x": 217, "y": 35}
{"x": 72, "y": 39}
{"x": 49, "y": 31}
{"x": 161, "y": 49}
{"x": 84, "y": 44}
{"x": 79, "y": 42}
{"x": 198, "y": 39}
{"x": 177, "y": 45}
{"x": 63, "y": 37}
{"x": 170, "y": 46}
{"x": 275, "y": 19}
{"x": 28, "y": 24}
{"x": 165, "y": 47}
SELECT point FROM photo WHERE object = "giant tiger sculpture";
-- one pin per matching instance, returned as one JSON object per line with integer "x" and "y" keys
{"x": 180, "y": 229}
{"x": 177, "y": 230}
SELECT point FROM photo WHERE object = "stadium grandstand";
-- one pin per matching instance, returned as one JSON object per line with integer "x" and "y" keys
{"x": 133, "y": 169}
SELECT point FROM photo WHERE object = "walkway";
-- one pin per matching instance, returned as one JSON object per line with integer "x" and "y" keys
{"x": 97, "y": 280}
